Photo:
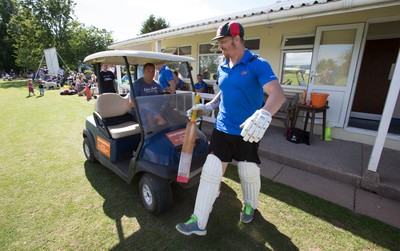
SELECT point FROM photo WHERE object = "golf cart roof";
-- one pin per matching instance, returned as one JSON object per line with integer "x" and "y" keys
{"x": 116, "y": 57}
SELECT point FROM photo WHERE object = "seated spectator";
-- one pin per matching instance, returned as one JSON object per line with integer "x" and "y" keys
{"x": 180, "y": 85}
{"x": 79, "y": 83}
{"x": 93, "y": 85}
{"x": 200, "y": 86}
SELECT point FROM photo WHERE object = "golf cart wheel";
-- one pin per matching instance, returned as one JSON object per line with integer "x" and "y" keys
{"x": 156, "y": 193}
{"x": 88, "y": 150}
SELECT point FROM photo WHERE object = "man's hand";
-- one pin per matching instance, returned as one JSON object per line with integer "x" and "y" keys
{"x": 201, "y": 110}
{"x": 255, "y": 126}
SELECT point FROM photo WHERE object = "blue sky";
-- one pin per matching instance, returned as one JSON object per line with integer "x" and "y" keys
{"x": 125, "y": 17}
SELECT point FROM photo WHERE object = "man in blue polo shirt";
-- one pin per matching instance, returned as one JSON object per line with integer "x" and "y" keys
{"x": 166, "y": 78}
{"x": 200, "y": 86}
{"x": 241, "y": 122}
{"x": 146, "y": 86}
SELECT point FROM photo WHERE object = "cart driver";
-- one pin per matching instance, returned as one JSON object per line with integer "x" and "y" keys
{"x": 146, "y": 86}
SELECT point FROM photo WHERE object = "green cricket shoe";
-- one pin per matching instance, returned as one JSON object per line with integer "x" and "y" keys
{"x": 248, "y": 213}
{"x": 190, "y": 227}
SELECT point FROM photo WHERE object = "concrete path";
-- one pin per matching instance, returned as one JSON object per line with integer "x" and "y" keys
{"x": 332, "y": 171}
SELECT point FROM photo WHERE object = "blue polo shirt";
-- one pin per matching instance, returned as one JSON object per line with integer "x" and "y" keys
{"x": 241, "y": 91}
{"x": 164, "y": 76}
{"x": 200, "y": 85}
{"x": 141, "y": 88}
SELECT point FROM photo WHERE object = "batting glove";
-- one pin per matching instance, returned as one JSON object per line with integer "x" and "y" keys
{"x": 201, "y": 110}
{"x": 254, "y": 127}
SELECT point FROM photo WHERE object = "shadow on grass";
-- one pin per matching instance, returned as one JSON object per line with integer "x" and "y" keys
{"x": 14, "y": 84}
{"x": 224, "y": 229}
{"x": 158, "y": 232}
{"x": 365, "y": 227}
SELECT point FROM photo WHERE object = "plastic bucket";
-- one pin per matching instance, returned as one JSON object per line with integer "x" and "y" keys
{"x": 318, "y": 100}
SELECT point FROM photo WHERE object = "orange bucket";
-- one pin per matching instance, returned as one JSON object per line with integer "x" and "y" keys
{"x": 318, "y": 100}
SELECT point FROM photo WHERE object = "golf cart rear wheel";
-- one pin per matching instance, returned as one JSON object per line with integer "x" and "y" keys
{"x": 88, "y": 150}
{"x": 156, "y": 193}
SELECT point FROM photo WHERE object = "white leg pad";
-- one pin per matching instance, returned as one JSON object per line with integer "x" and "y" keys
{"x": 208, "y": 191}
{"x": 250, "y": 180}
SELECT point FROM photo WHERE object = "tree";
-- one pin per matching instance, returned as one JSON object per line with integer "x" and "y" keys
{"x": 84, "y": 41}
{"x": 153, "y": 24}
{"x": 42, "y": 24}
{"x": 7, "y": 9}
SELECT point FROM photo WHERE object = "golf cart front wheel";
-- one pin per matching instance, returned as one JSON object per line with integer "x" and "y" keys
{"x": 88, "y": 150}
{"x": 155, "y": 193}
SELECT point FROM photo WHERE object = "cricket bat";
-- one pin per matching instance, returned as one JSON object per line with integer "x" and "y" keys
{"x": 187, "y": 148}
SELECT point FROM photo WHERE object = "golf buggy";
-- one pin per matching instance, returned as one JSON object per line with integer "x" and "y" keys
{"x": 147, "y": 146}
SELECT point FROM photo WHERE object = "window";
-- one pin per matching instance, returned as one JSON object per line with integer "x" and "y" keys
{"x": 210, "y": 56}
{"x": 296, "y": 60}
{"x": 180, "y": 50}
{"x": 209, "y": 59}
{"x": 296, "y": 68}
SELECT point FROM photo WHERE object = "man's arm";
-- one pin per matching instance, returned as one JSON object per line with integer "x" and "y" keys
{"x": 255, "y": 126}
{"x": 215, "y": 101}
{"x": 172, "y": 85}
{"x": 276, "y": 97}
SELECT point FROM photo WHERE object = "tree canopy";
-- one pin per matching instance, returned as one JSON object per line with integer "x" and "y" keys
{"x": 153, "y": 24}
{"x": 7, "y": 9}
{"x": 28, "y": 27}
{"x": 35, "y": 25}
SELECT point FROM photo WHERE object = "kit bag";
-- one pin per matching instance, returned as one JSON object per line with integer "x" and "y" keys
{"x": 298, "y": 136}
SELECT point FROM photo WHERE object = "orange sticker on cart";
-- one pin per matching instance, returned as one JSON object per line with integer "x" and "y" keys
{"x": 177, "y": 137}
{"x": 103, "y": 146}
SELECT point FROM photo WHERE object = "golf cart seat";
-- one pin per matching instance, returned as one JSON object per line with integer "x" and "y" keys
{"x": 113, "y": 116}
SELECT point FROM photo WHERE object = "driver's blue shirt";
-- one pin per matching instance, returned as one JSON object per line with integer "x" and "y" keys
{"x": 164, "y": 76}
{"x": 241, "y": 91}
{"x": 141, "y": 88}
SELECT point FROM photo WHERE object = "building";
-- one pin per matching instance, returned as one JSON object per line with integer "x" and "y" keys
{"x": 346, "y": 48}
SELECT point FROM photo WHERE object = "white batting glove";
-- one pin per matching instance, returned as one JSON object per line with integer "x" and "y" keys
{"x": 201, "y": 110}
{"x": 255, "y": 126}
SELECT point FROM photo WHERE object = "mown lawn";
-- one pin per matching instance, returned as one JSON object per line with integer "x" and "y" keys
{"x": 52, "y": 199}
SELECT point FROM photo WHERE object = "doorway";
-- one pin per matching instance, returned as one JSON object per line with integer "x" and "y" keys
{"x": 374, "y": 79}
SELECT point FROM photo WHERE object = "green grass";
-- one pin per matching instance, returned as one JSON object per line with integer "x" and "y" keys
{"x": 52, "y": 199}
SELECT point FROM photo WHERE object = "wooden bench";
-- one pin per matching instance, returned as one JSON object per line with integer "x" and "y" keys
{"x": 286, "y": 112}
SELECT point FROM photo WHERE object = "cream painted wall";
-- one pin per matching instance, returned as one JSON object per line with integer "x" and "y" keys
{"x": 271, "y": 38}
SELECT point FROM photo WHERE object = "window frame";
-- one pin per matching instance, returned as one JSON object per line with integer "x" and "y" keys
{"x": 295, "y": 49}
{"x": 176, "y": 51}
{"x": 216, "y": 52}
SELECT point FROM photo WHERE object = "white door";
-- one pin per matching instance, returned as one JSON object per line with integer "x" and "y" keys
{"x": 335, "y": 54}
